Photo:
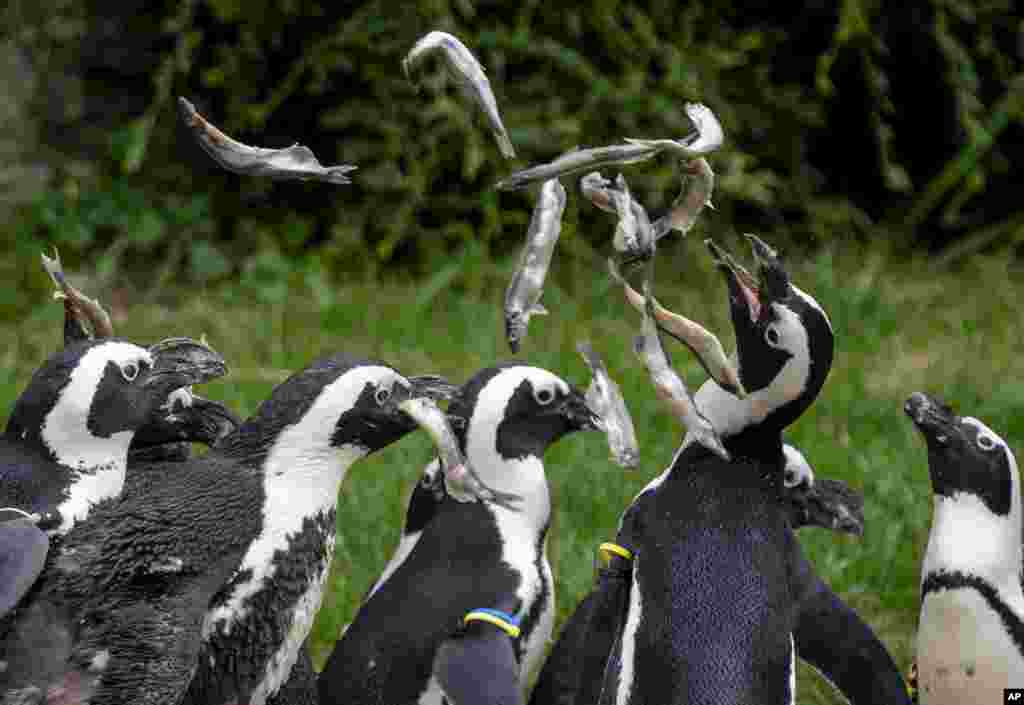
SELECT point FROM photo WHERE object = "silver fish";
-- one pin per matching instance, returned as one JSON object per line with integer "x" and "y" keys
{"x": 698, "y": 183}
{"x": 295, "y": 163}
{"x": 704, "y": 344}
{"x": 461, "y": 480}
{"x": 708, "y": 137}
{"x": 669, "y": 388}
{"x": 604, "y": 399}
{"x": 77, "y": 305}
{"x": 634, "y": 235}
{"x": 466, "y": 70}
{"x": 579, "y": 160}
{"x": 523, "y": 294}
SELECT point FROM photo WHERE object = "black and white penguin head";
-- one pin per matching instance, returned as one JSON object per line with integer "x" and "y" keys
{"x": 507, "y": 416}
{"x": 798, "y": 472}
{"x": 83, "y": 406}
{"x": 784, "y": 342}
{"x": 977, "y": 522}
{"x": 337, "y": 403}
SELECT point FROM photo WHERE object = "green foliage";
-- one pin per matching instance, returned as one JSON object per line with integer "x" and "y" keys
{"x": 820, "y": 146}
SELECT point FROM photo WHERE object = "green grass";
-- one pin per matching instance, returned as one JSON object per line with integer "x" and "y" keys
{"x": 900, "y": 328}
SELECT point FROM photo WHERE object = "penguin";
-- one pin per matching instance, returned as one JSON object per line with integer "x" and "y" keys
{"x": 66, "y": 444}
{"x": 204, "y": 588}
{"x": 167, "y": 437}
{"x": 970, "y": 636}
{"x": 719, "y": 588}
{"x": 574, "y": 669}
{"x": 467, "y": 615}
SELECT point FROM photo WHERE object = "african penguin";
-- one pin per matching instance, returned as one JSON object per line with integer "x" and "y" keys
{"x": 574, "y": 669}
{"x": 407, "y": 642}
{"x": 970, "y": 637}
{"x": 718, "y": 581}
{"x": 66, "y": 444}
{"x": 204, "y": 588}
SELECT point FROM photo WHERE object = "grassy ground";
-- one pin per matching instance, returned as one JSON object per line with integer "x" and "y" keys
{"x": 900, "y": 328}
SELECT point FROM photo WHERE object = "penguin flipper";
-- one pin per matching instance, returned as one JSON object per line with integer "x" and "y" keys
{"x": 574, "y": 669}
{"x": 478, "y": 666}
{"x": 842, "y": 647}
{"x": 23, "y": 549}
{"x": 300, "y": 688}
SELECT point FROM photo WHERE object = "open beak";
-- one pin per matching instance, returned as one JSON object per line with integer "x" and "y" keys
{"x": 774, "y": 284}
{"x": 182, "y": 362}
{"x": 829, "y": 504}
{"x": 744, "y": 291}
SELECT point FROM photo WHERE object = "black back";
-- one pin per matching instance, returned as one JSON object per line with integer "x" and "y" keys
{"x": 454, "y": 568}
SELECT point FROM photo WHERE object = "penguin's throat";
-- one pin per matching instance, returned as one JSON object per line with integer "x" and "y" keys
{"x": 967, "y": 537}
{"x": 90, "y": 485}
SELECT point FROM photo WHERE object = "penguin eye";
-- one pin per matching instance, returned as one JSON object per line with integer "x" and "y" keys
{"x": 771, "y": 335}
{"x": 544, "y": 396}
{"x": 791, "y": 479}
{"x": 985, "y": 442}
{"x": 382, "y": 395}
{"x": 130, "y": 371}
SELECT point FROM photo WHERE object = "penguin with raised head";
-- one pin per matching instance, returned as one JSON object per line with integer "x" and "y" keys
{"x": 469, "y": 611}
{"x": 970, "y": 635}
{"x": 204, "y": 588}
{"x": 719, "y": 589}
{"x": 574, "y": 669}
{"x": 65, "y": 448}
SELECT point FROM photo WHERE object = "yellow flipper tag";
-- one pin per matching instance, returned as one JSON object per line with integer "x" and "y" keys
{"x": 912, "y": 683}
{"x": 502, "y": 620}
{"x": 609, "y": 550}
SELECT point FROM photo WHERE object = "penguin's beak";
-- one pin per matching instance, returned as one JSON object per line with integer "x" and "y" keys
{"x": 744, "y": 294}
{"x": 182, "y": 362}
{"x": 829, "y": 504}
{"x": 933, "y": 419}
{"x": 750, "y": 295}
{"x": 774, "y": 279}
{"x": 579, "y": 416}
{"x": 432, "y": 387}
{"x": 190, "y": 419}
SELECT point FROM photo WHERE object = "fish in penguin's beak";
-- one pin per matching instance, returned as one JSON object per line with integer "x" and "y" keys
{"x": 182, "y": 362}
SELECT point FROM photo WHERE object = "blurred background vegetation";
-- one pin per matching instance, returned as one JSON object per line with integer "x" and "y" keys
{"x": 853, "y": 121}
{"x": 879, "y": 145}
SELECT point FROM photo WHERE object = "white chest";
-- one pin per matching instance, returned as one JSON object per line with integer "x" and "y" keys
{"x": 964, "y": 653}
{"x": 101, "y": 483}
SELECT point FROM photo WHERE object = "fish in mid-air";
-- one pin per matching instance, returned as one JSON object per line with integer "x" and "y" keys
{"x": 295, "y": 163}
{"x": 604, "y": 398}
{"x": 464, "y": 68}
{"x": 522, "y": 298}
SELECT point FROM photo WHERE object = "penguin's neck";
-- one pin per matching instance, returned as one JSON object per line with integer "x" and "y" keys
{"x": 731, "y": 415}
{"x": 523, "y": 476}
{"x": 966, "y": 537}
{"x": 96, "y": 464}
